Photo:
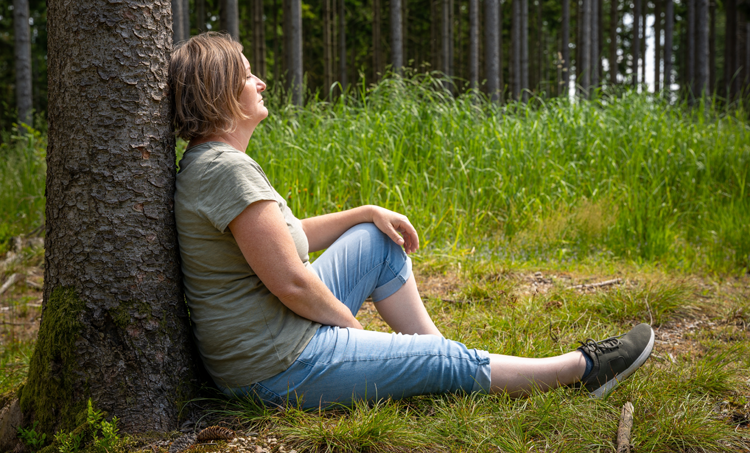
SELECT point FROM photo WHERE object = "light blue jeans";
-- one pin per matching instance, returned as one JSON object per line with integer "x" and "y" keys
{"x": 343, "y": 364}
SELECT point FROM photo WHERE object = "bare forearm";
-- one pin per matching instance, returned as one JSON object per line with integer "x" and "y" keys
{"x": 311, "y": 299}
{"x": 323, "y": 230}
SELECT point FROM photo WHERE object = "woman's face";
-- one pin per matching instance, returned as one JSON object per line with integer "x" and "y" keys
{"x": 251, "y": 99}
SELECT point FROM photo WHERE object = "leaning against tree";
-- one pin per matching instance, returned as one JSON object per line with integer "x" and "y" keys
{"x": 273, "y": 325}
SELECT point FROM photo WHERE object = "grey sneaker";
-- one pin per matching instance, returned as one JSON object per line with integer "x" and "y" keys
{"x": 616, "y": 358}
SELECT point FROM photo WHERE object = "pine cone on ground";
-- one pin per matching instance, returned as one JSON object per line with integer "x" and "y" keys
{"x": 215, "y": 433}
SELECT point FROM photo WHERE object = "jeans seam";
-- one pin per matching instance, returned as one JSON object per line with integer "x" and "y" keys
{"x": 480, "y": 361}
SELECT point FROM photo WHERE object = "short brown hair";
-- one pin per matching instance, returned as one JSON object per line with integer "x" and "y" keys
{"x": 206, "y": 78}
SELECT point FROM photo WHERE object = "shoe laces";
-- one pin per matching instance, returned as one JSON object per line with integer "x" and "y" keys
{"x": 603, "y": 345}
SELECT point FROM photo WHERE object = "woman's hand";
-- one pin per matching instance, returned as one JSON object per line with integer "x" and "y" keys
{"x": 393, "y": 223}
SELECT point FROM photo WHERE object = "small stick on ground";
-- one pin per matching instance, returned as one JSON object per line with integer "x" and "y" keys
{"x": 10, "y": 282}
{"x": 616, "y": 281}
{"x": 623, "y": 432}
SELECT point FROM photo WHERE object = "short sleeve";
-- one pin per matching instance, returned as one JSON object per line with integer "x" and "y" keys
{"x": 231, "y": 182}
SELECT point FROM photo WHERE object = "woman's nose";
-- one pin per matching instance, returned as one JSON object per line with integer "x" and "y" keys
{"x": 261, "y": 86}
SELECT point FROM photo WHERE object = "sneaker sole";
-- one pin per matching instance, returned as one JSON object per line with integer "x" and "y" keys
{"x": 615, "y": 381}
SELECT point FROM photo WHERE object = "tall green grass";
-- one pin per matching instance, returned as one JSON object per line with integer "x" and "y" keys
{"x": 629, "y": 177}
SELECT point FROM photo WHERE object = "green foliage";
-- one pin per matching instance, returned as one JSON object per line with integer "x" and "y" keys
{"x": 68, "y": 442}
{"x": 104, "y": 433}
{"x": 31, "y": 437}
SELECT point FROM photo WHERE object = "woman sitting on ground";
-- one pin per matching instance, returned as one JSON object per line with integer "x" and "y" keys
{"x": 273, "y": 325}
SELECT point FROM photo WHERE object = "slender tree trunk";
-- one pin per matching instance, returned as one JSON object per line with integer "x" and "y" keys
{"x": 186, "y": 18}
{"x": 657, "y": 45}
{"x": 730, "y": 46}
{"x": 600, "y": 40}
{"x": 229, "y": 18}
{"x": 613, "y": 21}
{"x": 377, "y": 51}
{"x": 474, "y": 44}
{"x": 114, "y": 323}
{"x": 636, "y": 45}
{"x": 644, "y": 28}
{"x": 492, "y": 31}
{"x": 525, "y": 48}
{"x": 259, "y": 39}
{"x": 342, "y": 45}
{"x": 668, "y": 35}
{"x": 691, "y": 46}
{"x": 594, "y": 43}
{"x": 565, "y": 48}
{"x": 404, "y": 30}
{"x": 436, "y": 25}
{"x": 701, "y": 48}
{"x": 327, "y": 48}
{"x": 712, "y": 47}
{"x": 397, "y": 42}
{"x": 579, "y": 39}
{"x": 200, "y": 15}
{"x": 445, "y": 36}
{"x": 540, "y": 51}
{"x": 500, "y": 50}
{"x": 516, "y": 44}
{"x": 585, "y": 52}
{"x": 295, "y": 52}
{"x": 177, "y": 24}
{"x": 22, "y": 42}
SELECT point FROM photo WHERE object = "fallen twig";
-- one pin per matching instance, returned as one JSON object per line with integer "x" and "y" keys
{"x": 616, "y": 281}
{"x": 623, "y": 432}
{"x": 10, "y": 282}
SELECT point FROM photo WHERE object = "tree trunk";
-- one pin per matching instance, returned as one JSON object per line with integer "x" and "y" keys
{"x": 397, "y": 42}
{"x": 540, "y": 51}
{"x": 259, "y": 39}
{"x": 177, "y": 24}
{"x": 525, "y": 49}
{"x": 186, "y": 18}
{"x": 636, "y": 45}
{"x": 594, "y": 43}
{"x": 644, "y": 27}
{"x": 613, "y": 21}
{"x": 701, "y": 48}
{"x": 474, "y": 45}
{"x": 730, "y": 46}
{"x": 565, "y": 48}
{"x": 691, "y": 46}
{"x": 668, "y": 34}
{"x": 327, "y": 48}
{"x": 114, "y": 323}
{"x": 445, "y": 38}
{"x": 377, "y": 50}
{"x": 342, "y": 46}
{"x": 22, "y": 40}
{"x": 585, "y": 52}
{"x": 200, "y": 15}
{"x": 492, "y": 32}
{"x": 712, "y": 47}
{"x": 600, "y": 40}
{"x": 295, "y": 51}
{"x": 516, "y": 44}
{"x": 229, "y": 18}
{"x": 276, "y": 48}
{"x": 657, "y": 45}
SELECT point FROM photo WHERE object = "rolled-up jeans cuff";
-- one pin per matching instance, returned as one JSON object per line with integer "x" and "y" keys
{"x": 395, "y": 284}
{"x": 483, "y": 379}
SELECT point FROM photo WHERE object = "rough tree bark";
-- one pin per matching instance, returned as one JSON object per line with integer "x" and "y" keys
{"x": 474, "y": 44}
{"x": 259, "y": 39}
{"x": 229, "y": 20}
{"x": 114, "y": 324}
{"x": 565, "y": 48}
{"x": 492, "y": 31}
{"x": 397, "y": 41}
{"x": 613, "y": 21}
{"x": 22, "y": 40}
{"x": 178, "y": 25}
{"x": 668, "y": 35}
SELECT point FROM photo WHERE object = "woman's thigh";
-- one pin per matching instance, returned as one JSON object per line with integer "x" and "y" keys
{"x": 363, "y": 262}
{"x": 341, "y": 364}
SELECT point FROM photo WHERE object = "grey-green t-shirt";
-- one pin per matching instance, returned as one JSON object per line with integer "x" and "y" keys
{"x": 244, "y": 333}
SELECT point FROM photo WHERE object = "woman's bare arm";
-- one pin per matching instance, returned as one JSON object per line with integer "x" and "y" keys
{"x": 323, "y": 230}
{"x": 265, "y": 241}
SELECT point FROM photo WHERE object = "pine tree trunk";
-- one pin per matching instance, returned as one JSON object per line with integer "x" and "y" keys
{"x": 295, "y": 51}
{"x": 22, "y": 42}
{"x": 565, "y": 49}
{"x": 259, "y": 39}
{"x": 276, "y": 48}
{"x": 657, "y": 45}
{"x": 186, "y": 18}
{"x": 712, "y": 47}
{"x": 377, "y": 52}
{"x": 668, "y": 36}
{"x": 613, "y": 21}
{"x": 397, "y": 43}
{"x": 690, "y": 46}
{"x": 540, "y": 51}
{"x": 525, "y": 49}
{"x": 701, "y": 48}
{"x": 200, "y": 15}
{"x": 177, "y": 24}
{"x": 516, "y": 49}
{"x": 474, "y": 45}
{"x": 445, "y": 37}
{"x": 585, "y": 52}
{"x": 730, "y": 47}
{"x": 327, "y": 48}
{"x": 594, "y": 43}
{"x": 114, "y": 323}
{"x": 644, "y": 22}
{"x": 636, "y": 44}
{"x": 342, "y": 45}
{"x": 492, "y": 31}
{"x": 229, "y": 18}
